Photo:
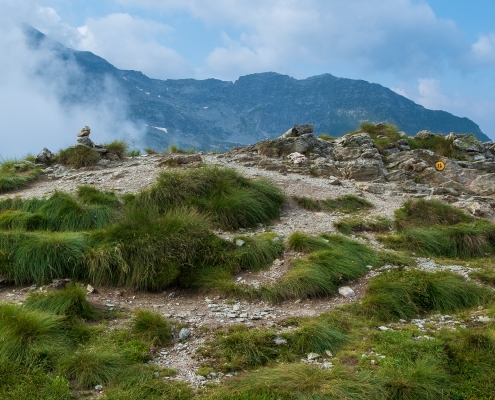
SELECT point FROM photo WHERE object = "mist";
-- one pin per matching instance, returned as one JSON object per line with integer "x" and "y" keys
{"x": 33, "y": 111}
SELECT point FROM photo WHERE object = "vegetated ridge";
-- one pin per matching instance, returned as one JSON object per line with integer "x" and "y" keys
{"x": 252, "y": 274}
{"x": 214, "y": 114}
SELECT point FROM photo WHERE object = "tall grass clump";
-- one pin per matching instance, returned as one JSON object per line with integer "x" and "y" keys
{"x": 405, "y": 294}
{"x": 229, "y": 199}
{"x": 147, "y": 383}
{"x": 29, "y": 337}
{"x": 78, "y": 156}
{"x": 151, "y": 327}
{"x": 15, "y": 174}
{"x": 41, "y": 257}
{"x": 90, "y": 366}
{"x": 356, "y": 224}
{"x": 348, "y": 203}
{"x": 69, "y": 301}
{"x": 439, "y": 144}
{"x": 21, "y": 220}
{"x": 334, "y": 260}
{"x": 300, "y": 381}
{"x": 117, "y": 147}
{"x": 146, "y": 250}
{"x": 174, "y": 149}
{"x": 382, "y": 134}
{"x": 90, "y": 195}
{"x": 426, "y": 213}
{"x": 316, "y": 335}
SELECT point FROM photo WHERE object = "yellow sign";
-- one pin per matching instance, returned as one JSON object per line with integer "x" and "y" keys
{"x": 439, "y": 166}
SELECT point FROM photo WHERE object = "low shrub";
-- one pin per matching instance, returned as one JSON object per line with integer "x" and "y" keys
{"x": 174, "y": 149}
{"x": 439, "y": 144}
{"x": 78, "y": 156}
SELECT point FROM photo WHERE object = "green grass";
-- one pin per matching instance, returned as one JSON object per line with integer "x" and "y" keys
{"x": 29, "y": 337}
{"x": 333, "y": 261}
{"x": 152, "y": 328}
{"x": 382, "y": 134}
{"x": 12, "y": 178}
{"x": 89, "y": 366}
{"x": 356, "y": 224}
{"x": 438, "y": 144}
{"x": 133, "y": 153}
{"x": 117, "y": 147}
{"x": 426, "y": 213}
{"x": 300, "y": 381}
{"x": 346, "y": 204}
{"x": 174, "y": 149}
{"x": 230, "y": 200}
{"x": 40, "y": 257}
{"x": 405, "y": 294}
{"x": 326, "y": 137}
{"x": 69, "y": 301}
{"x": 78, "y": 157}
{"x": 149, "y": 150}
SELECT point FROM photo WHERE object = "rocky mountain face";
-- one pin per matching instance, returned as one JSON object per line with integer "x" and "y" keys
{"x": 468, "y": 181}
{"x": 214, "y": 114}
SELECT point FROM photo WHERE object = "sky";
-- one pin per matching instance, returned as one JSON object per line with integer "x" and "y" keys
{"x": 438, "y": 53}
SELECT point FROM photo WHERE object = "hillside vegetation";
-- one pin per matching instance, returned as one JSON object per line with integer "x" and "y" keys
{"x": 413, "y": 332}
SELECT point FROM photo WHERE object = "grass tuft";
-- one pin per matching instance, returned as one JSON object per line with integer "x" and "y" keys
{"x": 15, "y": 174}
{"x": 69, "y": 301}
{"x": 78, "y": 156}
{"x": 356, "y": 224}
{"x": 117, "y": 147}
{"x": 348, "y": 203}
{"x": 152, "y": 327}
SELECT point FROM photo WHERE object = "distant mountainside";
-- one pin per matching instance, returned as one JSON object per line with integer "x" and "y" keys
{"x": 216, "y": 114}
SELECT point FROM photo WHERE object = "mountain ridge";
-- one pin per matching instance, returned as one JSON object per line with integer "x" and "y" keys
{"x": 212, "y": 113}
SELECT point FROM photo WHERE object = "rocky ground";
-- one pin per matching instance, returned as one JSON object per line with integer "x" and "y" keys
{"x": 201, "y": 314}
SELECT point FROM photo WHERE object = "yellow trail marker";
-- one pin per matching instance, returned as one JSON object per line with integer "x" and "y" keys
{"x": 439, "y": 166}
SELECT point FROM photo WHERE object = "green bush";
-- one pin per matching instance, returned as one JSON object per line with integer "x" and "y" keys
{"x": 78, "y": 156}
{"x": 439, "y": 144}
{"x": 315, "y": 335}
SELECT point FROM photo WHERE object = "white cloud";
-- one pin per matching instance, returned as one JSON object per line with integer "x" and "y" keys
{"x": 397, "y": 35}
{"x": 131, "y": 43}
{"x": 483, "y": 51}
{"x": 31, "y": 112}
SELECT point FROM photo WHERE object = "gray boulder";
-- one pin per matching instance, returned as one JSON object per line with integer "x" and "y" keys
{"x": 44, "y": 156}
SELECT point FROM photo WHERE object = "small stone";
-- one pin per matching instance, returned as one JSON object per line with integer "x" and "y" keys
{"x": 184, "y": 334}
{"x": 384, "y": 328}
{"x": 313, "y": 356}
{"x": 240, "y": 242}
{"x": 200, "y": 378}
{"x": 90, "y": 289}
{"x": 279, "y": 340}
{"x": 98, "y": 388}
{"x": 346, "y": 291}
{"x": 328, "y": 353}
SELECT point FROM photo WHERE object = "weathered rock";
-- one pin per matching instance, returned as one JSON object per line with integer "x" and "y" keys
{"x": 346, "y": 291}
{"x": 364, "y": 170}
{"x": 297, "y": 158}
{"x": 483, "y": 185}
{"x": 44, "y": 156}
{"x": 298, "y": 130}
{"x": 184, "y": 334}
{"x": 84, "y": 131}
{"x": 467, "y": 142}
{"x": 424, "y": 135}
{"x": 85, "y": 140}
